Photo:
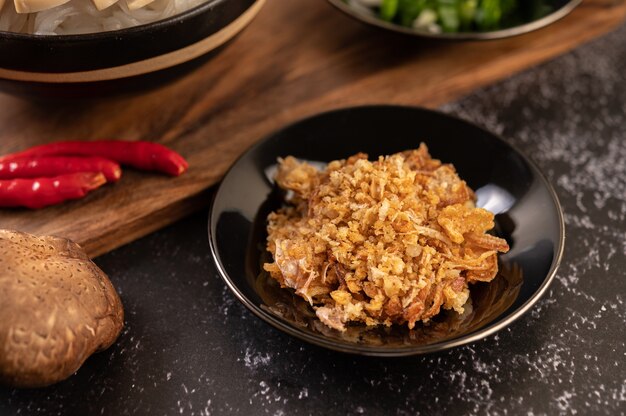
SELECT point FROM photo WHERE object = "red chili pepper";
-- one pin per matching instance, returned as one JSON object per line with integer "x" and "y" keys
{"x": 41, "y": 192}
{"x": 141, "y": 155}
{"x": 53, "y": 166}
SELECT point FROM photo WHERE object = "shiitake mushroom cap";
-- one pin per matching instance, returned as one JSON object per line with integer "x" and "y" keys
{"x": 56, "y": 309}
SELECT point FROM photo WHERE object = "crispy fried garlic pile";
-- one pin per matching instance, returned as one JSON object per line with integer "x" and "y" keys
{"x": 385, "y": 242}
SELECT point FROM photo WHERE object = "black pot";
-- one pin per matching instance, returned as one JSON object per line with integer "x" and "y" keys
{"x": 111, "y": 61}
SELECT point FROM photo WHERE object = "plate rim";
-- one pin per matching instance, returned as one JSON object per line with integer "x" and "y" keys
{"x": 358, "y": 349}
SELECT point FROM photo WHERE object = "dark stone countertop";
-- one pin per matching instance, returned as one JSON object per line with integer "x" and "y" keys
{"x": 190, "y": 348}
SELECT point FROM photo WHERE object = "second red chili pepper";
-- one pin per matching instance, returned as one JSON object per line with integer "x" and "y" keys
{"x": 41, "y": 192}
{"x": 58, "y": 165}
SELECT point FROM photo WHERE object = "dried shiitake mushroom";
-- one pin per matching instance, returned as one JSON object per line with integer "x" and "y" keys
{"x": 56, "y": 309}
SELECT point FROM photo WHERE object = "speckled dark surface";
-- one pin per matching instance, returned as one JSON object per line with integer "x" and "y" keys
{"x": 190, "y": 348}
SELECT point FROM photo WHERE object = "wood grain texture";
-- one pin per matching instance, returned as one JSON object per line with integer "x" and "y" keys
{"x": 296, "y": 59}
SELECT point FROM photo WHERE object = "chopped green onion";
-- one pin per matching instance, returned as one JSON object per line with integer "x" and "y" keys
{"x": 388, "y": 9}
{"x": 459, "y": 15}
{"x": 449, "y": 17}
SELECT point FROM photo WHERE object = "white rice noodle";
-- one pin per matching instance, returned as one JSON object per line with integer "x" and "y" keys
{"x": 103, "y": 4}
{"x": 33, "y": 6}
{"x": 137, "y": 4}
{"x": 10, "y": 20}
{"x": 82, "y": 16}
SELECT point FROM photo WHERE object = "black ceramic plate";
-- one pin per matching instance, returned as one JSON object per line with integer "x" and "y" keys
{"x": 528, "y": 216}
{"x": 561, "y": 9}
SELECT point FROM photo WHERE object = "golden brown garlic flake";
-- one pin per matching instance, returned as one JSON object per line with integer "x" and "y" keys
{"x": 385, "y": 242}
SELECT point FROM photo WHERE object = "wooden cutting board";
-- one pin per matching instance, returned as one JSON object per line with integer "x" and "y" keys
{"x": 296, "y": 59}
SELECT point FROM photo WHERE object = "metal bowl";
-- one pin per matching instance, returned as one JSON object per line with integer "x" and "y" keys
{"x": 561, "y": 9}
